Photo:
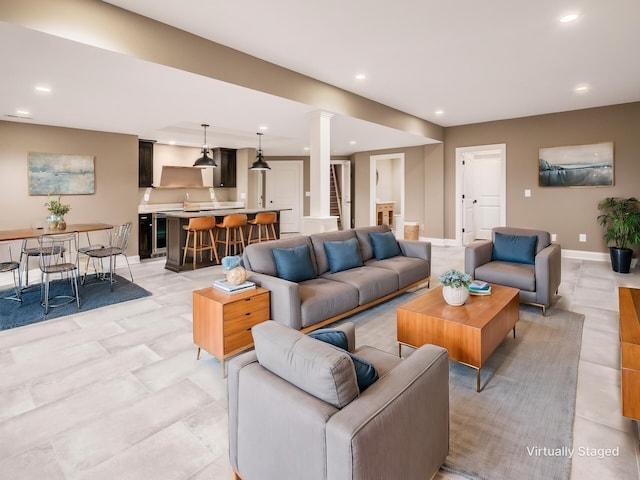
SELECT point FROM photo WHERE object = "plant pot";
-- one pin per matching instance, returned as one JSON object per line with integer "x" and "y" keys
{"x": 455, "y": 296}
{"x": 620, "y": 259}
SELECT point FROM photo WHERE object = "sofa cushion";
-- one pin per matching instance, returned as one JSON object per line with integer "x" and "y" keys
{"x": 409, "y": 269}
{"x": 343, "y": 255}
{"x": 510, "y": 274}
{"x": 257, "y": 257}
{"x": 366, "y": 372}
{"x": 371, "y": 282}
{"x": 321, "y": 299}
{"x": 294, "y": 264}
{"x": 362, "y": 234}
{"x": 514, "y": 248}
{"x": 315, "y": 367}
{"x": 385, "y": 245}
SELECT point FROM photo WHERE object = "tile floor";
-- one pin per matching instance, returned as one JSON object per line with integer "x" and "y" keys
{"x": 117, "y": 393}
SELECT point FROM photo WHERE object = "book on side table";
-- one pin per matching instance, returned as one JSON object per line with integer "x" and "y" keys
{"x": 223, "y": 285}
{"x": 478, "y": 287}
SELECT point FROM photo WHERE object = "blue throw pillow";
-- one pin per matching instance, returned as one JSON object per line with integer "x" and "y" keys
{"x": 384, "y": 245}
{"x": 343, "y": 255}
{"x": 366, "y": 373}
{"x": 514, "y": 248}
{"x": 337, "y": 338}
{"x": 294, "y": 264}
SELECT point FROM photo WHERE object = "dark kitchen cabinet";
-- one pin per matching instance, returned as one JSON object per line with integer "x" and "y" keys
{"x": 145, "y": 235}
{"x": 225, "y": 174}
{"x": 145, "y": 163}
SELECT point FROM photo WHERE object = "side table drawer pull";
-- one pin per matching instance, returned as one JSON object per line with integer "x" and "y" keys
{"x": 248, "y": 313}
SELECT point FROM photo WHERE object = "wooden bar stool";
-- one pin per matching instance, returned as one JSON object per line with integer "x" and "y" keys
{"x": 233, "y": 226}
{"x": 263, "y": 221}
{"x": 196, "y": 230}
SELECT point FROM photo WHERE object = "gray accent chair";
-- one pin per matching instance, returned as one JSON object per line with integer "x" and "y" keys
{"x": 295, "y": 410}
{"x": 537, "y": 282}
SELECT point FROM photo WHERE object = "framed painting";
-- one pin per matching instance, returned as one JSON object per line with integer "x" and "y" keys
{"x": 576, "y": 166}
{"x": 55, "y": 174}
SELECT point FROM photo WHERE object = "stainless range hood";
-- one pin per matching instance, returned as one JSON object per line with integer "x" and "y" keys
{"x": 176, "y": 177}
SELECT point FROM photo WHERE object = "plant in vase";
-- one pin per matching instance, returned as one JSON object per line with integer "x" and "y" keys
{"x": 455, "y": 286}
{"x": 57, "y": 211}
{"x": 620, "y": 218}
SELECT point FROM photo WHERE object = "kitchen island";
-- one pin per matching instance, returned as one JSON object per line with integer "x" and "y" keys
{"x": 177, "y": 235}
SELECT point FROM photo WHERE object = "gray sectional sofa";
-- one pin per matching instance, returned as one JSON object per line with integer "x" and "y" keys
{"x": 326, "y": 291}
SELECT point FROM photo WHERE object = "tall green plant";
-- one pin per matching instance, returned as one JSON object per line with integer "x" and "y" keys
{"x": 620, "y": 218}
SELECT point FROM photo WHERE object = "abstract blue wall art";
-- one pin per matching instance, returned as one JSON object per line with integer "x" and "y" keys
{"x": 55, "y": 174}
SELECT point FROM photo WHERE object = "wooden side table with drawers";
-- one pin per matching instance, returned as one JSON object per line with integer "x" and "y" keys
{"x": 222, "y": 321}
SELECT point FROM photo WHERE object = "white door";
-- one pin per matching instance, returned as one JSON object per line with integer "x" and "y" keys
{"x": 482, "y": 190}
{"x": 283, "y": 185}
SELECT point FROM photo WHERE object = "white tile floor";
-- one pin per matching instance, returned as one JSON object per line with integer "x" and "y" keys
{"x": 117, "y": 393}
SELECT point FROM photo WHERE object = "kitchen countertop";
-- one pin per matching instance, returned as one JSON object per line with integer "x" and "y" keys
{"x": 179, "y": 207}
{"x": 221, "y": 212}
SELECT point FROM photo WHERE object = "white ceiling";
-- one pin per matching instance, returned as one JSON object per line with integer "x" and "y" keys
{"x": 476, "y": 61}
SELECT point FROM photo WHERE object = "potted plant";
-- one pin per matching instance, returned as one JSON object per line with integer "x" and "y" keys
{"x": 455, "y": 287}
{"x": 57, "y": 211}
{"x": 620, "y": 218}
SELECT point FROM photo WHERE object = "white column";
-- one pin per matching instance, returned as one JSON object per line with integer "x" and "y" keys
{"x": 319, "y": 219}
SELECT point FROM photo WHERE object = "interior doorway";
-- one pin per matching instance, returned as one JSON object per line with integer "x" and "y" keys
{"x": 342, "y": 191}
{"x": 387, "y": 186}
{"x": 283, "y": 189}
{"x": 480, "y": 191}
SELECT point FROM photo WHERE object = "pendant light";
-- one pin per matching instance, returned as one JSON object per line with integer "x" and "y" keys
{"x": 205, "y": 160}
{"x": 260, "y": 164}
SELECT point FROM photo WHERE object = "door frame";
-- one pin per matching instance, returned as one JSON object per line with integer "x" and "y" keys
{"x": 373, "y": 159}
{"x": 460, "y": 151}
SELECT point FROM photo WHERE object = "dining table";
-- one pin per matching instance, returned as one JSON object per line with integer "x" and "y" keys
{"x": 27, "y": 233}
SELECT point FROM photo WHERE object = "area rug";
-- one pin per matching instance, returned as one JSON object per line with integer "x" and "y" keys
{"x": 92, "y": 295}
{"x": 520, "y": 426}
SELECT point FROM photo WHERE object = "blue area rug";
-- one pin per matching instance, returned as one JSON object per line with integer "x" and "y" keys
{"x": 94, "y": 294}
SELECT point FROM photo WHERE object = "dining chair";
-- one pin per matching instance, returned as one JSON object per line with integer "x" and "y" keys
{"x": 8, "y": 265}
{"x": 63, "y": 262}
{"x": 31, "y": 250}
{"x": 118, "y": 240}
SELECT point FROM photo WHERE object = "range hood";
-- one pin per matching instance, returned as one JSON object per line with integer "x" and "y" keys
{"x": 175, "y": 176}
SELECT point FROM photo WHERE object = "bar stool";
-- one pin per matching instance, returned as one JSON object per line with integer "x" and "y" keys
{"x": 233, "y": 225}
{"x": 196, "y": 229}
{"x": 263, "y": 221}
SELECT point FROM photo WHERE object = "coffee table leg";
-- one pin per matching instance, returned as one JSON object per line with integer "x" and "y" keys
{"x": 478, "y": 389}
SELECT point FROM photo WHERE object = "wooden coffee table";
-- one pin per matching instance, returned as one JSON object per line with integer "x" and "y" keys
{"x": 470, "y": 332}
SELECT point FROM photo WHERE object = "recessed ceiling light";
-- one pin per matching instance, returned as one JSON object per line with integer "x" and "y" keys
{"x": 263, "y": 127}
{"x": 306, "y": 148}
{"x": 352, "y": 142}
{"x": 23, "y": 112}
{"x": 172, "y": 142}
{"x": 42, "y": 89}
{"x": 569, "y": 18}
{"x": 360, "y": 76}
{"x": 582, "y": 88}
{"x": 439, "y": 112}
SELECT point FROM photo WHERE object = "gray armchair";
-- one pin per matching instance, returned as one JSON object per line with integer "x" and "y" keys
{"x": 296, "y": 412}
{"x": 512, "y": 260}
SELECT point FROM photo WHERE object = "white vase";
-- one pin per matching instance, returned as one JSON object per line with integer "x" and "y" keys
{"x": 455, "y": 296}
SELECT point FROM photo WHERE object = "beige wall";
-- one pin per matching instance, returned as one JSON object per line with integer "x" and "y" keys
{"x": 116, "y": 176}
{"x": 562, "y": 210}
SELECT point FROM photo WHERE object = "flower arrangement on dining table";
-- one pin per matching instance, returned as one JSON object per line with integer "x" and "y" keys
{"x": 455, "y": 278}
{"x": 57, "y": 211}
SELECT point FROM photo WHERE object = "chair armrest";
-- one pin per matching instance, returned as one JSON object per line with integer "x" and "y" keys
{"x": 350, "y": 330}
{"x": 476, "y": 254}
{"x": 416, "y": 248}
{"x": 285, "y": 295}
{"x": 233, "y": 378}
{"x": 406, "y": 413}
{"x": 548, "y": 273}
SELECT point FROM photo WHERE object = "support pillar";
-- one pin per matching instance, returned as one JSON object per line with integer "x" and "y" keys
{"x": 320, "y": 219}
